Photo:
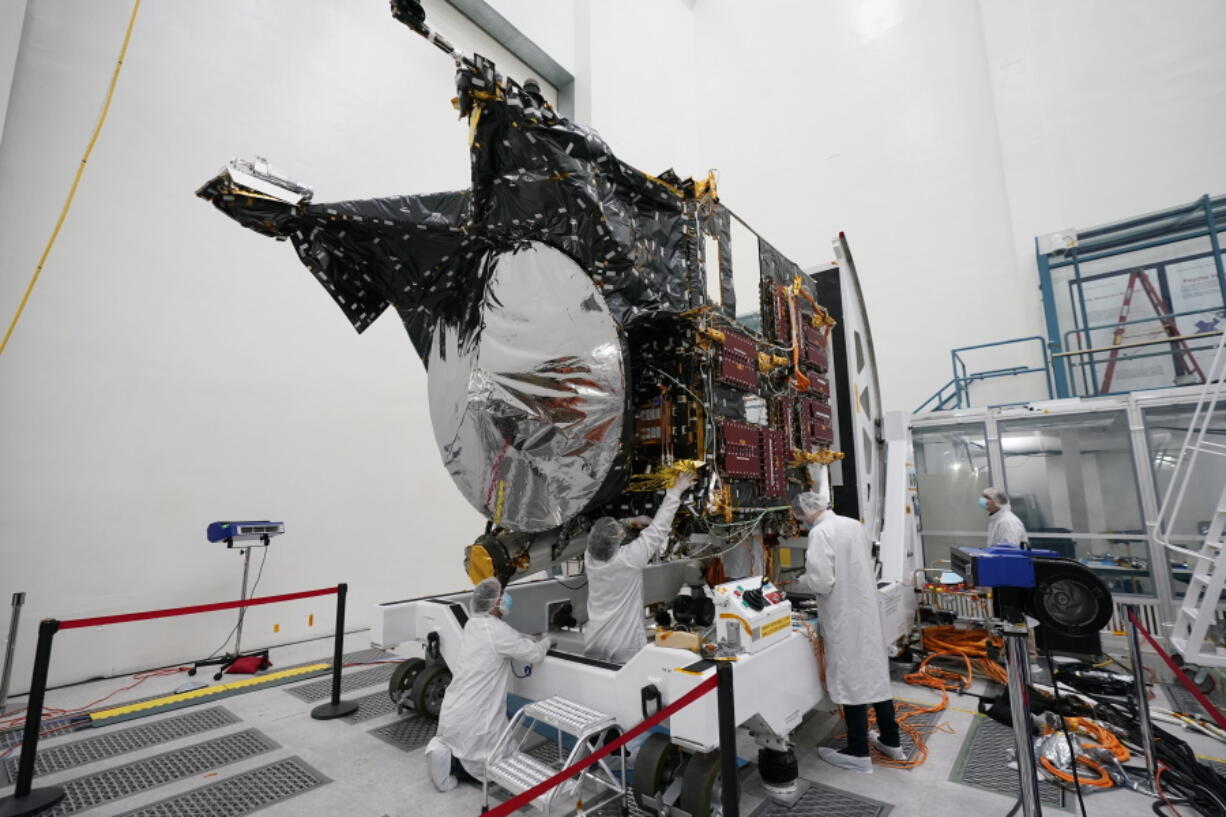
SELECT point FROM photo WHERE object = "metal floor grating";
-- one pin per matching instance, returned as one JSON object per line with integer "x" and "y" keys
{"x": 983, "y": 764}
{"x": 614, "y": 810}
{"x": 1182, "y": 700}
{"x": 819, "y": 800}
{"x": 500, "y": 795}
{"x": 142, "y": 775}
{"x": 374, "y": 705}
{"x": 922, "y": 720}
{"x": 63, "y": 756}
{"x": 322, "y": 688}
{"x": 358, "y": 657}
{"x": 407, "y": 733}
{"x": 9, "y": 737}
{"x": 241, "y": 794}
{"x": 547, "y": 752}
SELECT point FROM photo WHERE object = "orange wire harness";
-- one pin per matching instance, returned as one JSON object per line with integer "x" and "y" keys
{"x": 968, "y": 647}
{"x": 1099, "y": 736}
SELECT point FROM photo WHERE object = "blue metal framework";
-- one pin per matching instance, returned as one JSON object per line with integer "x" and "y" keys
{"x": 1199, "y": 219}
{"x": 956, "y": 393}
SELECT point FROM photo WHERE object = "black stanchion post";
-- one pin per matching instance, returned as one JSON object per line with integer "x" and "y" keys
{"x": 26, "y": 800}
{"x": 336, "y": 708}
{"x": 730, "y": 783}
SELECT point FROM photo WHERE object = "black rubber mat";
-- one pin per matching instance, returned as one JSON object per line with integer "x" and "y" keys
{"x": 407, "y": 733}
{"x": 359, "y": 679}
{"x": 372, "y": 706}
{"x": 109, "y": 743}
{"x": 983, "y": 764}
{"x": 820, "y": 800}
{"x": 241, "y": 794}
{"x": 141, "y": 775}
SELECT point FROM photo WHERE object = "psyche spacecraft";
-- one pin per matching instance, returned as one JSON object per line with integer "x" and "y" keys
{"x": 582, "y": 330}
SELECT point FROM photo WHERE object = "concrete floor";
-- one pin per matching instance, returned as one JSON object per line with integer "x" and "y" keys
{"x": 373, "y": 779}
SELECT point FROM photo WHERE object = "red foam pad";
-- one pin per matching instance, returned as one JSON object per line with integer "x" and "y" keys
{"x": 248, "y": 665}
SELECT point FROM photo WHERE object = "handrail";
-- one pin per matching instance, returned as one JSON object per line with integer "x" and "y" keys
{"x": 1136, "y": 343}
{"x": 963, "y": 378}
{"x": 1114, "y": 324}
{"x": 1211, "y": 390}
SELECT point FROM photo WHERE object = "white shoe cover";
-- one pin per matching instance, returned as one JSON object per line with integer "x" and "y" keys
{"x": 438, "y": 759}
{"x": 834, "y": 757}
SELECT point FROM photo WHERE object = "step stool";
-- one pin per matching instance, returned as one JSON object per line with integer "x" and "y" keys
{"x": 512, "y": 768}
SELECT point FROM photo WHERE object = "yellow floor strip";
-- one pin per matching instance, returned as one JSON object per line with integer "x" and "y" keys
{"x": 207, "y": 691}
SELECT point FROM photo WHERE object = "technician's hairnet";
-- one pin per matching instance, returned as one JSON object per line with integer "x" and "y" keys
{"x": 810, "y": 503}
{"x": 996, "y": 495}
{"x": 486, "y": 595}
{"x": 604, "y": 537}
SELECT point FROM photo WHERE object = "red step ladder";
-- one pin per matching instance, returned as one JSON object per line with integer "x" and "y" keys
{"x": 1178, "y": 347}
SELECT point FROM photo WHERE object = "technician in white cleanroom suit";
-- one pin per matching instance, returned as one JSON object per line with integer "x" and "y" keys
{"x": 839, "y": 569}
{"x": 1004, "y": 528}
{"x": 474, "y": 710}
{"x": 614, "y": 630}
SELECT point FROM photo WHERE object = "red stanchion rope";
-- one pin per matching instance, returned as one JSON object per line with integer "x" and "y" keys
{"x": 1203, "y": 699}
{"x": 187, "y": 611}
{"x": 520, "y": 800}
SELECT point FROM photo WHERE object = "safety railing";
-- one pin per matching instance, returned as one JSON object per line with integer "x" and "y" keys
{"x": 1202, "y": 699}
{"x": 1083, "y": 355}
{"x": 730, "y": 786}
{"x": 26, "y": 800}
{"x": 955, "y": 394}
{"x": 1068, "y": 258}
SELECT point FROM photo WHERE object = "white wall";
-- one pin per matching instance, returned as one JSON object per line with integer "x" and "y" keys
{"x": 548, "y": 23}
{"x": 875, "y": 119}
{"x": 646, "y": 83}
{"x": 173, "y": 368}
{"x": 12, "y": 13}
{"x": 1106, "y": 109}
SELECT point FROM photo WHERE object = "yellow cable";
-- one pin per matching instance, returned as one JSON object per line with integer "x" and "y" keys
{"x": 106, "y": 106}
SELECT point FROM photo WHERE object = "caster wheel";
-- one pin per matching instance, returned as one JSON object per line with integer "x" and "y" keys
{"x": 429, "y": 689}
{"x": 701, "y": 791}
{"x": 191, "y": 671}
{"x": 655, "y": 767}
{"x": 402, "y": 679}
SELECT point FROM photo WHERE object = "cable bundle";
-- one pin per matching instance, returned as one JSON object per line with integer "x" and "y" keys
{"x": 1182, "y": 780}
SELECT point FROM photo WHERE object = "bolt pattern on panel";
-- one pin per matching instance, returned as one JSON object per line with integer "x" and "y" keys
{"x": 109, "y": 744}
{"x": 142, "y": 775}
{"x": 820, "y": 800}
{"x": 984, "y": 763}
{"x": 322, "y": 688}
{"x": 408, "y": 733}
{"x": 241, "y": 794}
